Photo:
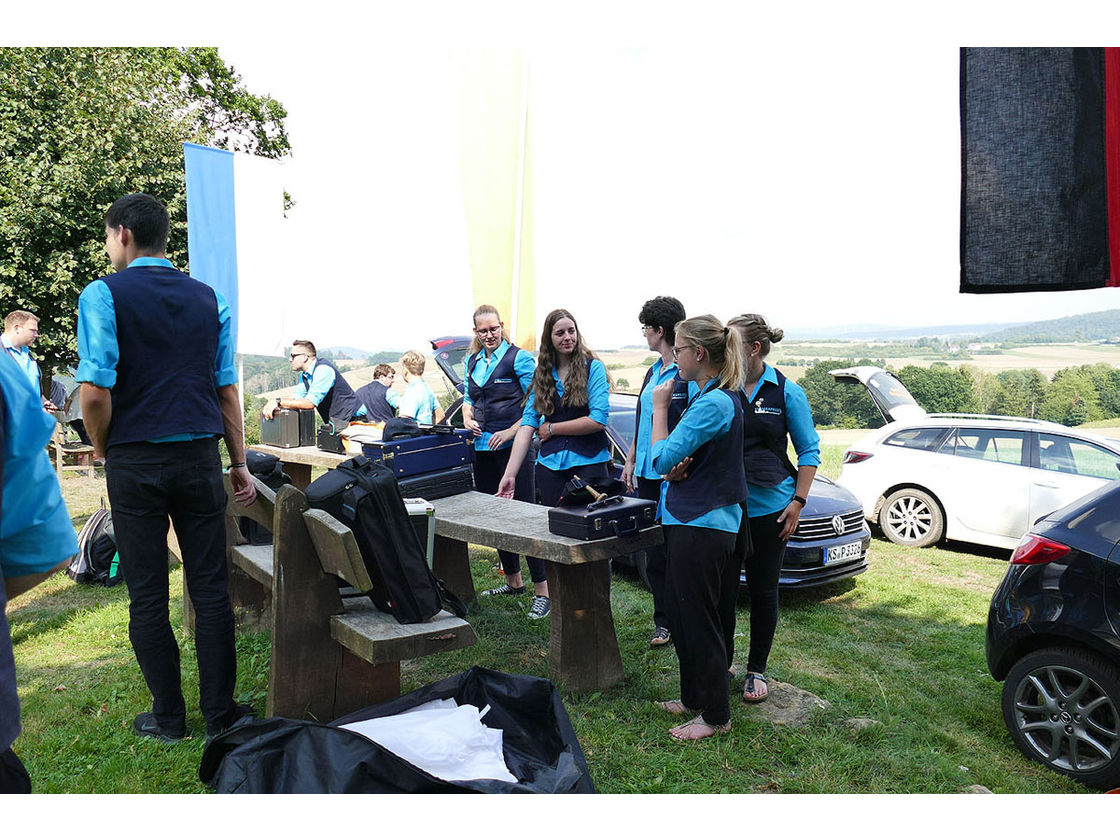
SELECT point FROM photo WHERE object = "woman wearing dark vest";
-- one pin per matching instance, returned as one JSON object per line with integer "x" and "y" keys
{"x": 498, "y": 376}
{"x": 658, "y": 317}
{"x": 775, "y": 411}
{"x": 568, "y": 408}
{"x": 701, "y": 514}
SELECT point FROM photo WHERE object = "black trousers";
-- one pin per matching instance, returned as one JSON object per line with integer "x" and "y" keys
{"x": 701, "y": 584}
{"x": 149, "y": 483}
{"x": 13, "y": 775}
{"x": 489, "y": 467}
{"x": 550, "y": 487}
{"x": 650, "y": 489}
{"x": 762, "y": 571}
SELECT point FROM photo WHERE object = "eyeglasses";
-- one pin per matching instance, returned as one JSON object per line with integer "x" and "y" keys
{"x": 646, "y": 328}
{"x": 297, "y": 355}
{"x": 678, "y": 350}
{"x": 489, "y": 330}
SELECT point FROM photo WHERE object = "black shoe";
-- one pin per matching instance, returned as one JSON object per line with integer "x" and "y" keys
{"x": 146, "y": 726}
{"x": 239, "y": 711}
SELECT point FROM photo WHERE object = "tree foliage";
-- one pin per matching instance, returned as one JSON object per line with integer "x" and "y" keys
{"x": 79, "y": 127}
{"x": 940, "y": 388}
{"x": 837, "y": 403}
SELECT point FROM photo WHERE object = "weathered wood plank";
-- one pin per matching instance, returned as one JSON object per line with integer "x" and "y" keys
{"x": 377, "y": 637}
{"x": 451, "y": 564}
{"x": 522, "y": 527}
{"x": 263, "y": 508}
{"x": 337, "y": 549}
{"x": 583, "y": 648}
{"x": 255, "y": 561}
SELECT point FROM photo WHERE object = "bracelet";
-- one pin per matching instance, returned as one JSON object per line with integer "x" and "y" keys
{"x": 800, "y": 499}
{"x": 550, "y": 432}
{"x": 238, "y": 464}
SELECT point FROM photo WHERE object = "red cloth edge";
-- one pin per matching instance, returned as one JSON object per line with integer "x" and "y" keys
{"x": 1112, "y": 158}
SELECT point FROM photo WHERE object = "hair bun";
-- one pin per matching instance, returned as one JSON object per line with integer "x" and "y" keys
{"x": 776, "y": 335}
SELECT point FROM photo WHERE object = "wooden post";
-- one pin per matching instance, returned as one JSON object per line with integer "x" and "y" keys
{"x": 451, "y": 564}
{"x": 584, "y": 653}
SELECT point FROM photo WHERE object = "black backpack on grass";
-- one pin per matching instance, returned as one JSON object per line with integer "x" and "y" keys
{"x": 97, "y": 560}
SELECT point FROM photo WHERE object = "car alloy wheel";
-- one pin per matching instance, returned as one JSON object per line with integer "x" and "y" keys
{"x": 912, "y": 517}
{"x": 1060, "y": 706}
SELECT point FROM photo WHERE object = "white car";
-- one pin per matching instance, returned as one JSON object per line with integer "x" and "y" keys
{"x": 976, "y": 478}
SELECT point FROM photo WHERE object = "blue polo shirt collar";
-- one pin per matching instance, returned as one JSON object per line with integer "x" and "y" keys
{"x": 141, "y": 262}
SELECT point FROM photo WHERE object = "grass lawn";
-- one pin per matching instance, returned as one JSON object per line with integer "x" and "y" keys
{"x": 902, "y": 644}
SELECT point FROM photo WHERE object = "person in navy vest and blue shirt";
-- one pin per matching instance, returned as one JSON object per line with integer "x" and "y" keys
{"x": 775, "y": 411}
{"x": 700, "y": 515}
{"x": 568, "y": 408}
{"x": 321, "y": 386}
{"x": 499, "y": 375}
{"x": 659, "y": 317}
{"x": 159, "y": 388}
{"x": 378, "y": 397}
{"x": 36, "y": 536}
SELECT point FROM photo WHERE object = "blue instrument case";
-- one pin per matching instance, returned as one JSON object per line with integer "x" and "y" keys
{"x": 426, "y": 453}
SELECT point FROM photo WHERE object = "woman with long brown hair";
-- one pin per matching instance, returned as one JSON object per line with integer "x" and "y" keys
{"x": 701, "y": 514}
{"x": 498, "y": 376}
{"x": 567, "y": 408}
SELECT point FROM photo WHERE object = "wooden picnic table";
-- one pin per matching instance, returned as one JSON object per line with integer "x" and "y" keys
{"x": 584, "y": 652}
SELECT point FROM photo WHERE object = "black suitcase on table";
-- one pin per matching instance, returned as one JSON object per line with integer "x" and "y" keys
{"x": 615, "y": 516}
{"x": 364, "y": 496}
{"x": 329, "y": 439}
{"x": 438, "y": 485}
{"x": 289, "y": 428}
{"x": 423, "y": 454}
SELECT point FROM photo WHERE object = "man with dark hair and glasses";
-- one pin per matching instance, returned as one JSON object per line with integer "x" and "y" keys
{"x": 322, "y": 386}
{"x": 159, "y": 388}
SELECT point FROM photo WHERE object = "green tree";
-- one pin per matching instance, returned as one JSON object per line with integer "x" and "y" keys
{"x": 1023, "y": 392}
{"x": 940, "y": 388}
{"x": 79, "y": 127}
{"x": 838, "y": 403}
{"x": 1071, "y": 398}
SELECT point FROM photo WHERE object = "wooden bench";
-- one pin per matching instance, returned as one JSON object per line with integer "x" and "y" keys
{"x": 332, "y": 651}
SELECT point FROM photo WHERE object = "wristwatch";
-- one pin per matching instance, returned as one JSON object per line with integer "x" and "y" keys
{"x": 800, "y": 499}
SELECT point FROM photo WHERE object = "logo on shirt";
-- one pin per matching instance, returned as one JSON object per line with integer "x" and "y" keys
{"x": 502, "y": 381}
{"x": 759, "y": 408}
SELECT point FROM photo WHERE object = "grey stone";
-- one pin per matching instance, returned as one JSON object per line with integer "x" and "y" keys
{"x": 860, "y": 723}
{"x": 788, "y": 705}
{"x": 976, "y": 789}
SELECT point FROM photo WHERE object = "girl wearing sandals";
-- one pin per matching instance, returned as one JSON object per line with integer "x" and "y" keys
{"x": 568, "y": 407}
{"x": 775, "y": 411}
{"x": 498, "y": 376}
{"x": 701, "y": 514}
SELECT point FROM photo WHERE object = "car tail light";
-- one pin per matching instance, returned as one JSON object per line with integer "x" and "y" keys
{"x": 854, "y": 456}
{"x": 1035, "y": 549}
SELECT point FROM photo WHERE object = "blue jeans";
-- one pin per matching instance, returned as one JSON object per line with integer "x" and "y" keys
{"x": 150, "y": 483}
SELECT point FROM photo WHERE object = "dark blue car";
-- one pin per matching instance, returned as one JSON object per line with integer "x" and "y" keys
{"x": 830, "y": 542}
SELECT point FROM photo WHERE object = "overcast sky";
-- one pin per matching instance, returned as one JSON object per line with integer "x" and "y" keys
{"x": 800, "y": 161}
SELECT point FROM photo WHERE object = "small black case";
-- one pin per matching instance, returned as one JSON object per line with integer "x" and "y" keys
{"x": 614, "y": 516}
{"x": 439, "y": 484}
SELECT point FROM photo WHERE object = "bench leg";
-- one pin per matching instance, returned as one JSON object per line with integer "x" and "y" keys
{"x": 451, "y": 564}
{"x": 300, "y": 474}
{"x": 584, "y": 653}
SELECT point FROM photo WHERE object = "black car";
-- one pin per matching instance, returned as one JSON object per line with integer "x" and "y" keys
{"x": 832, "y": 537}
{"x": 1054, "y": 640}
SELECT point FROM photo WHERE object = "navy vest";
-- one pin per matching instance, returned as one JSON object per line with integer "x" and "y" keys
{"x": 764, "y": 435}
{"x": 586, "y": 445}
{"x": 716, "y": 478}
{"x": 496, "y": 405}
{"x": 372, "y": 396}
{"x": 677, "y": 404}
{"x": 167, "y": 337}
{"x": 340, "y": 402}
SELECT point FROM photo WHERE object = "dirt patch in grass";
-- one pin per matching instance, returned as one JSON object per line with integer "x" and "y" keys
{"x": 974, "y": 580}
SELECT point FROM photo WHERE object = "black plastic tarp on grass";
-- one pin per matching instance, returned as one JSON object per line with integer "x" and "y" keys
{"x": 280, "y": 755}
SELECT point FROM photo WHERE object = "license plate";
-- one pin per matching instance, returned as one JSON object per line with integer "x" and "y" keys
{"x": 840, "y": 553}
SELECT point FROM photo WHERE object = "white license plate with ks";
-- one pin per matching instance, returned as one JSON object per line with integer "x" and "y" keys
{"x": 840, "y": 553}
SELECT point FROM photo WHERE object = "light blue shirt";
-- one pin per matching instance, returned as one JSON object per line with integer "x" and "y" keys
{"x": 523, "y": 366}
{"x": 707, "y": 417}
{"x": 806, "y": 441}
{"x": 315, "y": 386}
{"x": 643, "y": 457}
{"x": 418, "y": 401}
{"x": 22, "y": 357}
{"x": 99, "y": 351}
{"x": 599, "y": 405}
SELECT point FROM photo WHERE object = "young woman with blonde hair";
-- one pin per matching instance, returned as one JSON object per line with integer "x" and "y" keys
{"x": 775, "y": 411}
{"x": 701, "y": 515}
{"x": 567, "y": 408}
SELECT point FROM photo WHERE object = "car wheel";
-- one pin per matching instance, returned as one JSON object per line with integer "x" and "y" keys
{"x": 1061, "y": 708}
{"x": 912, "y": 517}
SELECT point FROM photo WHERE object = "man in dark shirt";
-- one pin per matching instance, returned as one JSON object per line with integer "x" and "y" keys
{"x": 158, "y": 391}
